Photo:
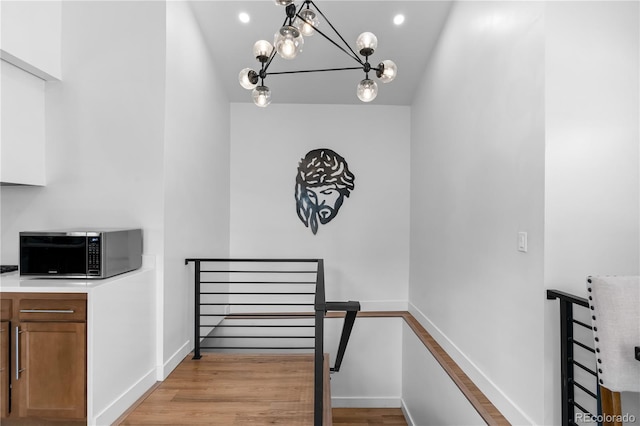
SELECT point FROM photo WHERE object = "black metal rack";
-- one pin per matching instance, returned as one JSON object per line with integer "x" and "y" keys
{"x": 267, "y": 295}
{"x": 569, "y": 343}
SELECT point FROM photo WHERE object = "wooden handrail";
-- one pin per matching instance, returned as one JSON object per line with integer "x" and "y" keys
{"x": 485, "y": 408}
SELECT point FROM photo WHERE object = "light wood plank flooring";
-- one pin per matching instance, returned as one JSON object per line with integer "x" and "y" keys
{"x": 368, "y": 417}
{"x": 234, "y": 390}
{"x": 230, "y": 390}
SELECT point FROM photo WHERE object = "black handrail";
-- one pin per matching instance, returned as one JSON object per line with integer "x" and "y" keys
{"x": 318, "y": 357}
{"x": 320, "y": 308}
{"x": 567, "y": 361}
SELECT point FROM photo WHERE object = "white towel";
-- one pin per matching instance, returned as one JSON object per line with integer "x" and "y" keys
{"x": 615, "y": 315}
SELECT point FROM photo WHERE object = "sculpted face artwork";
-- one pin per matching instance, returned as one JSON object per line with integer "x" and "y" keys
{"x": 322, "y": 182}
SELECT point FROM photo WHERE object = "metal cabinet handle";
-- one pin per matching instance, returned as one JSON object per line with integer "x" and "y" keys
{"x": 18, "y": 369}
{"x": 47, "y": 311}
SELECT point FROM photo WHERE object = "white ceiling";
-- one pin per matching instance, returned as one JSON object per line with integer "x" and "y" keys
{"x": 409, "y": 46}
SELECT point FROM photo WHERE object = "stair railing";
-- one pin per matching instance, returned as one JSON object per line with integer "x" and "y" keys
{"x": 572, "y": 389}
{"x": 224, "y": 294}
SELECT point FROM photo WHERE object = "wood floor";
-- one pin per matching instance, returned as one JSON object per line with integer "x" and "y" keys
{"x": 368, "y": 417}
{"x": 245, "y": 390}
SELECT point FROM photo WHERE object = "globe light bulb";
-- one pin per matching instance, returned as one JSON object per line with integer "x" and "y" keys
{"x": 283, "y": 2}
{"x": 261, "y": 96}
{"x": 288, "y": 42}
{"x": 387, "y": 71}
{"x": 308, "y": 24}
{"x": 367, "y": 90}
{"x": 248, "y": 78}
{"x": 367, "y": 43}
{"x": 262, "y": 50}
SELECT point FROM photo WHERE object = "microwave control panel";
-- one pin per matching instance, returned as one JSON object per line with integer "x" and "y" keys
{"x": 94, "y": 255}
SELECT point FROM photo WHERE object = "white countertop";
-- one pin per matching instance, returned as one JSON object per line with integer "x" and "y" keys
{"x": 12, "y": 282}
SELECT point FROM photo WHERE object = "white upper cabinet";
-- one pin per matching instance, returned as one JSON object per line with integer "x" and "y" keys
{"x": 22, "y": 129}
{"x": 30, "y": 33}
{"x": 30, "y": 36}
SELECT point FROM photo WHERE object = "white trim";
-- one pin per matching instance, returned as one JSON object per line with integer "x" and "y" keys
{"x": 25, "y": 66}
{"x": 503, "y": 403}
{"x": 125, "y": 401}
{"x": 366, "y": 402}
{"x": 174, "y": 360}
{"x": 407, "y": 414}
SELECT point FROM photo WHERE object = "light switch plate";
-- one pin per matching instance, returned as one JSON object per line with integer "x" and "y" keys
{"x": 522, "y": 242}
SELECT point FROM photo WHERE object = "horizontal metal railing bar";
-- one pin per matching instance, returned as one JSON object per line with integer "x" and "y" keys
{"x": 249, "y": 260}
{"x": 585, "y": 390}
{"x": 584, "y": 410}
{"x": 239, "y": 271}
{"x": 257, "y": 282}
{"x": 256, "y": 304}
{"x": 262, "y": 316}
{"x": 556, "y": 294}
{"x": 582, "y": 324}
{"x": 261, "y": 293}
{"x": 582, "y": 345}
{"x": 258, "y": 347}
{"x": 262, "y": 325}
{"x": 588, "y": 370}
{"x": 257, "y": 337}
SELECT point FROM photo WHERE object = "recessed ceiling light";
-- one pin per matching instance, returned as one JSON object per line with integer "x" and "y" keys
{"x": 244, "y": 17}
{"x": 398, "y": 19}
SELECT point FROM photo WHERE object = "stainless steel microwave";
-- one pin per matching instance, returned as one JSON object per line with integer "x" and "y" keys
{"x": 80, "y": 253}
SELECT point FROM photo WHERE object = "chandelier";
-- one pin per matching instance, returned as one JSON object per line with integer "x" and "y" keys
{"x": 288, "y": 42}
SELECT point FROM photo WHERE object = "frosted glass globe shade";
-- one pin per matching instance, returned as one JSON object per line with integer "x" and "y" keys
{"x": 367, "y": 90}
{"x": 308, "y": 24}
{"x": 262, "y": 50}
{"x": 288, "y": 42}
{"x": 261, "y": 96}
{"x": 246, "y": 78}
{"x": 367, "y": 42}
{"x": 388, "y": 72}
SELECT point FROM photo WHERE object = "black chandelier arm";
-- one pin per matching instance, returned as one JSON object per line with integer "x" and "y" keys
{"x": 318, "y": 70}
{"x": 353, "y": 54}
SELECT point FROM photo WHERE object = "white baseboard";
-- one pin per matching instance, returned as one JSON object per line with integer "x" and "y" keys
{"x": 124, "y": 401}
{"x": 173, "y": 361}
{"x": 374, "y": 402}
{"x": 503, "y": 403}
{"x": 407, "y": 414}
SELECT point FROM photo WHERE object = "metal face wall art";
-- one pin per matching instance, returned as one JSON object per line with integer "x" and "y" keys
{"x": 322, "y": 182}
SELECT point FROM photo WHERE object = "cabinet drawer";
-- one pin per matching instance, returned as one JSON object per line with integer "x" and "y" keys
{"x": 52, "y": 310}
{"x": 5, "y": 309}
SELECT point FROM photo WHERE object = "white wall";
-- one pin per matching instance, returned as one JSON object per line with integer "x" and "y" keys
{"x": 371, "y": 370}
{"x": 196, "y": 174}
{"x": 430, "y": 397}
{"x": 104, "y": 128}
{"x": 592, "y": 189}
{"x": 30, "y": 36}
{"x": 365, "y": 246}
{"x": 477, "y": 179}
{"x": 137, "y": 134}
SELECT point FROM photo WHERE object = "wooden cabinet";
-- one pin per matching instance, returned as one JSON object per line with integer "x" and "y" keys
{"x": 48, "y": 357}
{"x": 5, "y": 316}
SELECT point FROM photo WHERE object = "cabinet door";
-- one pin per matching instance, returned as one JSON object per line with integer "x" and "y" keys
{"x": 4, "y": 368}
{"x": 52, "y": 358}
